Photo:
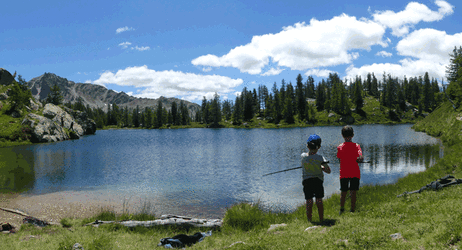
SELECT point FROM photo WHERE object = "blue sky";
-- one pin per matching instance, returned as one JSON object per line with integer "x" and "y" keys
{"x": 191, "y": 49}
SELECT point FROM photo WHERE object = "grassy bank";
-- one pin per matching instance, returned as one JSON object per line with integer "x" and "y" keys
{"x": 429, "y": 220}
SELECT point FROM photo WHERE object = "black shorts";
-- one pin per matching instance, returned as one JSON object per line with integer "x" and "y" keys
{"x": 312, "y": 187}
{"x": 353, "y": 184}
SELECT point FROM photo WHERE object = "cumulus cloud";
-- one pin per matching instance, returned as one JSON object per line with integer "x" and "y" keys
{"x": 319, "y": 72}
{"x": 406, "y": 67}
{"x": 384, "y": 54}
{"x": 429, "y": 45}
{"x": 272, "y": 72}
{"x": 403, "y": 21}
{"x": 125, "y": 45}
{"x": 303, "y": 46}
{"x": 123, "y": 29}
{"x": 153, "y": 84}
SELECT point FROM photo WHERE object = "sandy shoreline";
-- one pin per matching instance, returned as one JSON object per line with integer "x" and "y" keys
{"x": 53, "y": 207}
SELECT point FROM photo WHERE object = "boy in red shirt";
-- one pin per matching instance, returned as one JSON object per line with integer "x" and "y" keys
{"x": 349, "y": 154}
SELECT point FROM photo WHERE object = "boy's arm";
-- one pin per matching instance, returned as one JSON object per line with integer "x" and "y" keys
{"x": 360, "y": 153}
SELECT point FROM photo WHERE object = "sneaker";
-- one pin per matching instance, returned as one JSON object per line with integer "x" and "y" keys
{"x": 341, "y": 211}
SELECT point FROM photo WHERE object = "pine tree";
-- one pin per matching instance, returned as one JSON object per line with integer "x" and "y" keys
{"x": 227, "y": 109}
{"x": 216, "y": 110}
{"x": 301, "y": 99}
{"x": 320, "y": 96}
{"x": 237, "y": 112}
{"x": 160, "y": 114}
{"x": 174, "y": 114}
{"x": 147, "y": 117}
{"x": 248, "y": 104}
{"x": 454, "y": 76}
{"x": 54, "y": 96}
{"x": 427, "y": 93}
{"x": 204, "y": 111}
{"x": 309, "y": 88}
{"x": 136, "y": 116}
{"x": 289, "y": 106}
{"x": 358, "y": 96}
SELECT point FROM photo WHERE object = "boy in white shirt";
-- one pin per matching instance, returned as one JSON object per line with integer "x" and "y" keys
{"x": 313, "y": 166}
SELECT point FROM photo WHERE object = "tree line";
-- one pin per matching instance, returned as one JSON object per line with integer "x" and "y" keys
{"x": 285, "y": 103}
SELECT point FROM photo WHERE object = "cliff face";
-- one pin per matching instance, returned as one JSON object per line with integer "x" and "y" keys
{"x": 97, "y": 96}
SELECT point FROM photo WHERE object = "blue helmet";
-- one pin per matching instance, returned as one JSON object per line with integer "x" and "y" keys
{"x": 315, "y": 139}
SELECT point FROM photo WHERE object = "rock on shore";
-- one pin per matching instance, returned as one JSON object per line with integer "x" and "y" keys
{"x": 57, "y": 125}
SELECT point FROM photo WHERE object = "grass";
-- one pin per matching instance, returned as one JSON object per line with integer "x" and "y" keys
{"x": 427, "y": 220}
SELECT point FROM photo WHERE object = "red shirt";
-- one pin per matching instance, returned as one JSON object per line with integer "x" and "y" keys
{"x": 347, "y": 152}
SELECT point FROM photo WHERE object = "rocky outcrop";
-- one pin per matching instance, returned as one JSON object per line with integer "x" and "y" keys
{"x": 87, "y": 124}
{"x": 44, "y": 129}
{"x": 5, "y": 77}
{"x": 57, "y": 125}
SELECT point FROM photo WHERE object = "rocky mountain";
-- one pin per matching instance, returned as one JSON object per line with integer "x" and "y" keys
{"x": 97, "y": 96}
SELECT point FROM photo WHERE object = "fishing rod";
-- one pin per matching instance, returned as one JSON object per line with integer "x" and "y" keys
{"x": 302, "y": 167}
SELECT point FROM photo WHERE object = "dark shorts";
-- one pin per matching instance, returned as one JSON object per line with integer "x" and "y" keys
{"x": 312, "y": 187}
{"x": 349, "y": 184}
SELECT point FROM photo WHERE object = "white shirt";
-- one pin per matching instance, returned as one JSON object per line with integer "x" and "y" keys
{"x": 311, "y": 165}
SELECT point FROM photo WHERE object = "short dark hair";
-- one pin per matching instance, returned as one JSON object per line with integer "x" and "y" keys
{"x": 347, "y": 131}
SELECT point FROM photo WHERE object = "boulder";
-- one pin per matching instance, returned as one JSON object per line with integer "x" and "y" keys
{"x": 5, "y": 77}
{"x": 57, "y": 125}
{"x": 62, "y": 118}
{"x": 44, "y": 129}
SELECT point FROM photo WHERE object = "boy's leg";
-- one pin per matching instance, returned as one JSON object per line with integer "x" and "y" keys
{"x": 354, "y": 187}
{"x": 309, "y": 209}
{"x": 342, "y": 198}
{"x": 353, "y": 200}
{"x": 320, "y": 209}
{"x": 344, "y": 183}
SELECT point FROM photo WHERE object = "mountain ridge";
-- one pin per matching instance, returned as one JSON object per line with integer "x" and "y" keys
{"x": 97, "y": 96}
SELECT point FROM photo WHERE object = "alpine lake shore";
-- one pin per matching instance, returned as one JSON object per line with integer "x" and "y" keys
{"x": 426, "y": 220}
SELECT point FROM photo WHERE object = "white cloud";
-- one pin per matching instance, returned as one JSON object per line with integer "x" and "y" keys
{"x": 403, "y": 21}
{"x": 272, "y": 72}
{"x": 123, "y": 29}
{"x": 141, "y": 48}
{"x": 125, "y": 45}
{"x": 319, "y": 72}
{"x": 425, "y": 50}
{"x": 429, "y": 45}
{"x": 406, "y": 67}
{"x": 88, "y": 81}
{"x": 384, "y": 54}
{"x": 153, "y": 84}
{"x": 303, "y": 46}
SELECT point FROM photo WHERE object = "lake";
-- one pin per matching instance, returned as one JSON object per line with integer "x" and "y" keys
{"x": 201, "y": 172}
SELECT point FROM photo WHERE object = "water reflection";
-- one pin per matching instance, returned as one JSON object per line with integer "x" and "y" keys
{"x": 16, "y": 170}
